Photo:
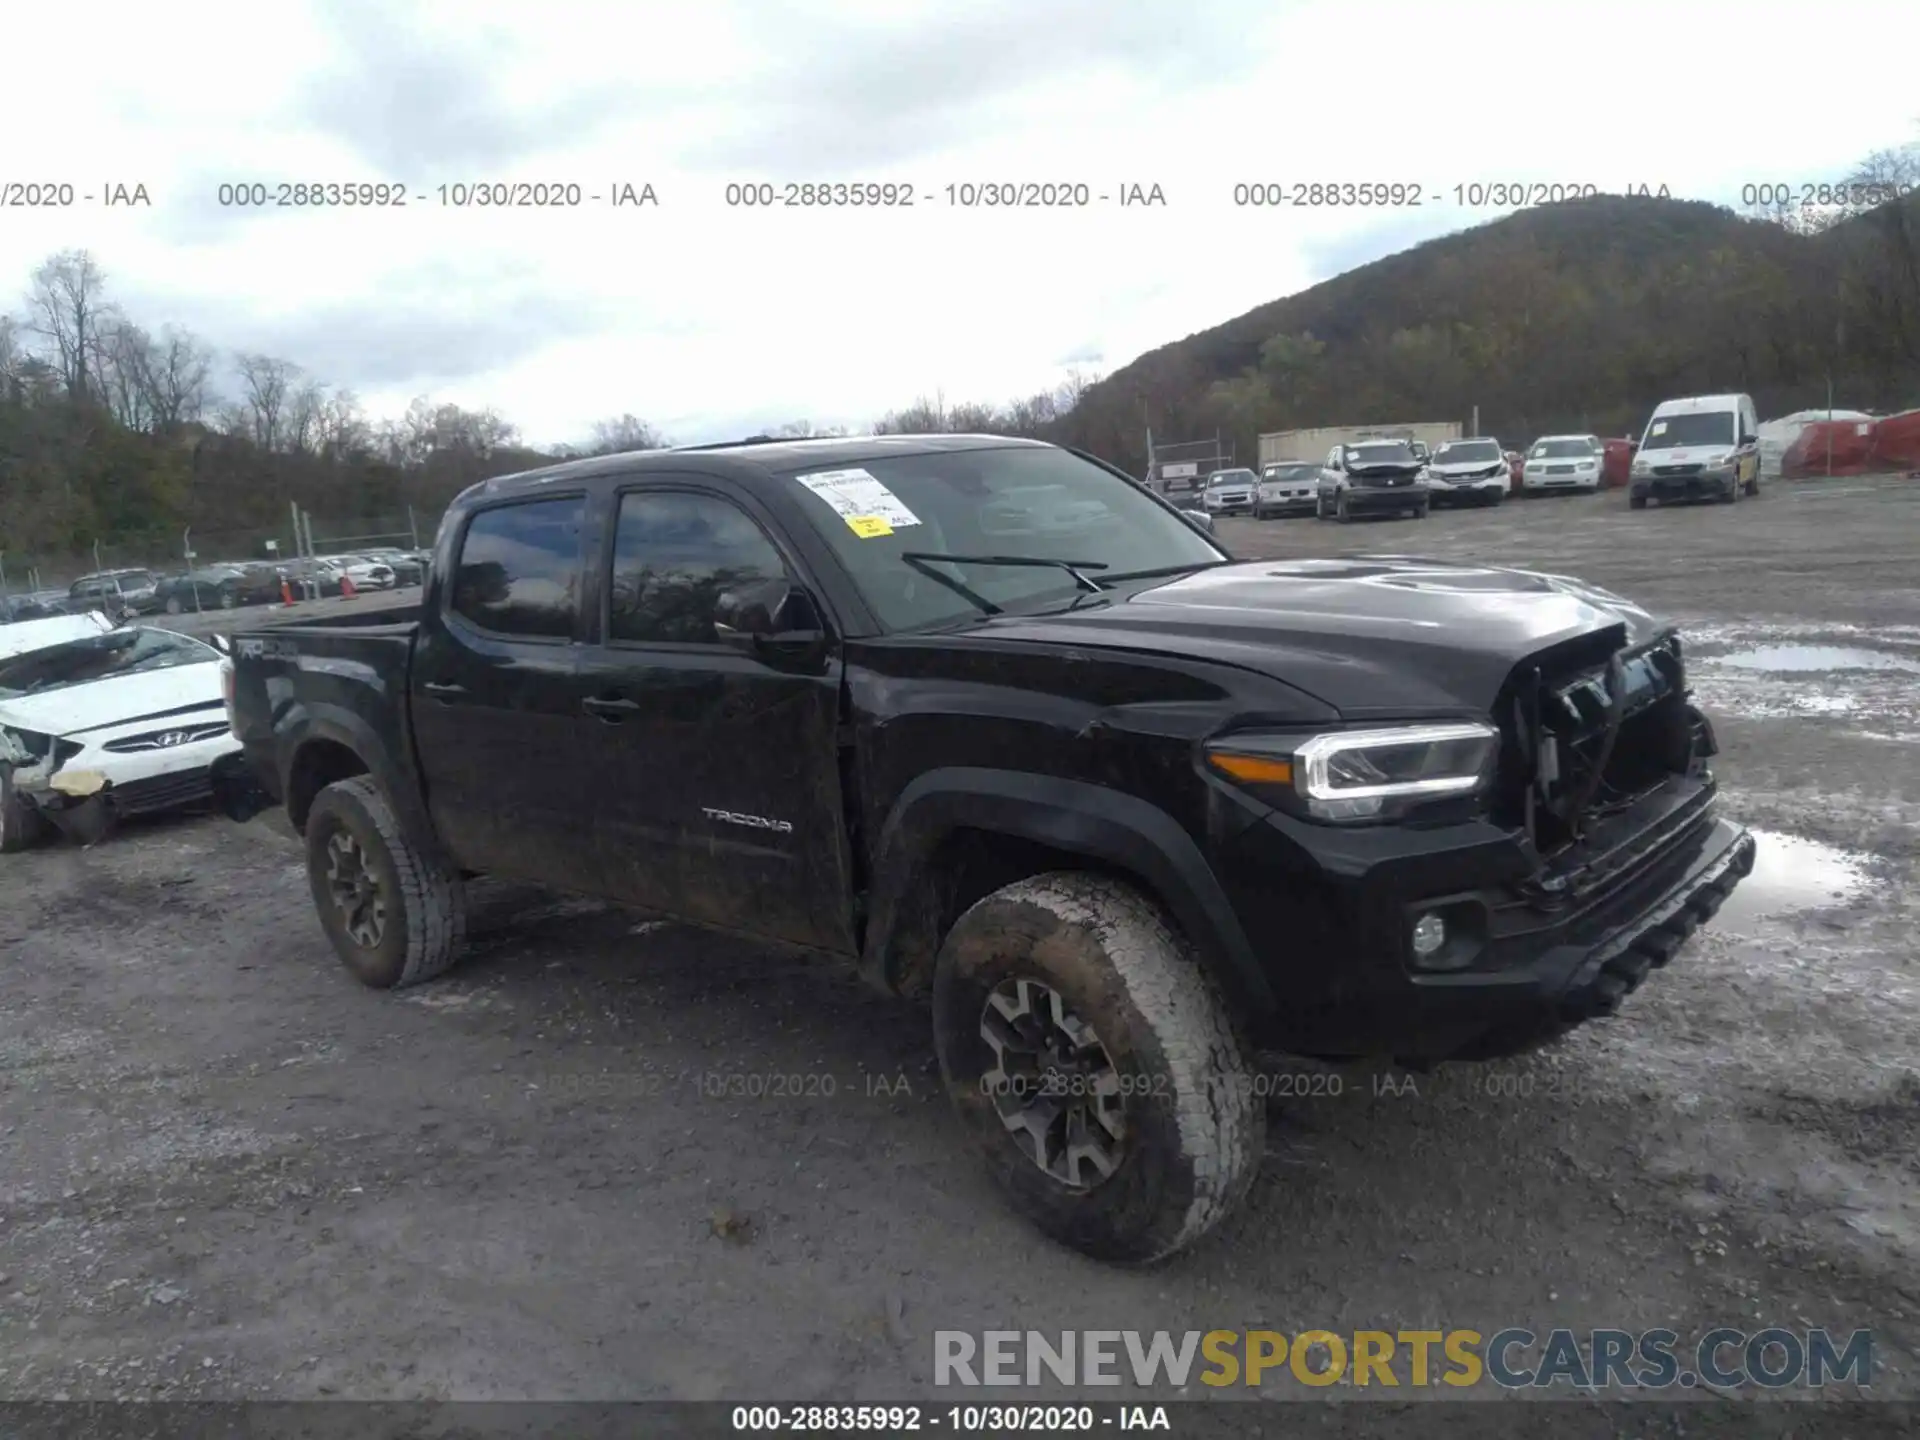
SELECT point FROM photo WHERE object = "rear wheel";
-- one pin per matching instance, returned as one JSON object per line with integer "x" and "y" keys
{"x": 1637, "y": 502}
{"x": 174, "y": 607}
{"x": 395, "y": 917}
{"x": 1095, "y": 1067}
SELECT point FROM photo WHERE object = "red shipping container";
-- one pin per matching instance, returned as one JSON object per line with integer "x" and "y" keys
{"x": 1896, "y": 441}
{"x": 1830, "y": 447}
{"x": 1617, "y": 463}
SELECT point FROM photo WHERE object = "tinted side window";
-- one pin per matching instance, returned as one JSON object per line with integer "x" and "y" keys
{"x": 519, "y": 568}
{"x": 674, "y": 555}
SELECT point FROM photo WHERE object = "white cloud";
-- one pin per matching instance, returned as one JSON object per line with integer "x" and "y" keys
{"x": 707, "y": 318}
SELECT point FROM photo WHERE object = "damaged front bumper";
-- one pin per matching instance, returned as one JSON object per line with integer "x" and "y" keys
{"x": 84, "y": 793}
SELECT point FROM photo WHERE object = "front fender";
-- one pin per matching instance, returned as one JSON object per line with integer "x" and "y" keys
{"x": 1107, "y": 826}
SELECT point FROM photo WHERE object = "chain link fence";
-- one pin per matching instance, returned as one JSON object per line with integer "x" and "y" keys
{"x": 177, "y": 551}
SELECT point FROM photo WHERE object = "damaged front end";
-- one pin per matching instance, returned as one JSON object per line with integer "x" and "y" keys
{"x": 1606, "y": 768}
{"x": 77, "y": 803}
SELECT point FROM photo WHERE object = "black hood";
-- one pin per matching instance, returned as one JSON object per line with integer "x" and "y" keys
{"x": 1384, "y": 636}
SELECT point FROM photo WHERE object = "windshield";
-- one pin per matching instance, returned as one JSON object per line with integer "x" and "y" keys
{"x": 1563, "y": 450}
{"x": 1464, "y": 452}
{"x": 99, "y": 657}
{"x": 1031, "y": 502}
{"x": 1382, "y": 452}
{"x": 1703, "y": 427}
{"x": 1295, "y": 471}
{"x": 1228, "y": 479}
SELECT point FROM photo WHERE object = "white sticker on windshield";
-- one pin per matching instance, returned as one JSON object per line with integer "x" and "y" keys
{"x": 857, "y": 497}
{"x": 1659, "y": 427}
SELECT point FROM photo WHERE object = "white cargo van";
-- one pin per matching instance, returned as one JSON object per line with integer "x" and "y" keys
{"x": 1705, "y": 447}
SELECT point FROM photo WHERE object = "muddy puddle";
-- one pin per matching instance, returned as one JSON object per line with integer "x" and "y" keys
{"x": 1791, "y": 872}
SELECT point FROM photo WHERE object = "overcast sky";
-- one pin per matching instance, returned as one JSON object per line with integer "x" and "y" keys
{"x": 710, "y": 320}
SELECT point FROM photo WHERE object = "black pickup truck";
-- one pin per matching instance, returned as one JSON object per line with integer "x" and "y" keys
{"x": 995, "y": 722}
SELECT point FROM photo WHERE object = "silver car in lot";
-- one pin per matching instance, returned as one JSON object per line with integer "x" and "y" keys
{"x": 1230, "y": 492}
{"x": 1563, "y": 462}
{"x": 1287, "y": 487}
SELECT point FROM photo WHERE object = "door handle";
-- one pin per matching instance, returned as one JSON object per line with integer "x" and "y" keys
{"x": 445, "y": 692}
{"x": 609, "y": 710}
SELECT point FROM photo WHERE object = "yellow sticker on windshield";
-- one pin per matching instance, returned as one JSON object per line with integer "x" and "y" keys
{"x": 868, "y": 527}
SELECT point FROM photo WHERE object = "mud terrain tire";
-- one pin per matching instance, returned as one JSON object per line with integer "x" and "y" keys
{"x": 425, "y": 918}
{"x": 1194, "y": 1129}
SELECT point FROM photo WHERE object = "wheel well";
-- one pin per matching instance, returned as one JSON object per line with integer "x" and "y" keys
{"x": 967, "y": 866}
{"x": 316, "y": 765}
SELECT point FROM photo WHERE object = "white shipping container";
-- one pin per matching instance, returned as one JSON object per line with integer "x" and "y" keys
{"x": 1314, "y": 444}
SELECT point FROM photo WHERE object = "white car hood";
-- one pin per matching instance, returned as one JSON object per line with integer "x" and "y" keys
{"x": 1464, "y": 467}
{"x": 116, "y": 701}
{"x": 26, "y": 635}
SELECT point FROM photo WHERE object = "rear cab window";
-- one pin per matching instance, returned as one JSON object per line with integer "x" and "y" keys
{"x": 519, "y": 570}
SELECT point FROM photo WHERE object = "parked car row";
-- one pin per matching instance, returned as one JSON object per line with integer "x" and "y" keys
{"x": 1702, "y": 447}
{"x": 220, "y": 585}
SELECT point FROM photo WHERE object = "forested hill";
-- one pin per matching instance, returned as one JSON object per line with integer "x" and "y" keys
{"x": 1576, "y": 316}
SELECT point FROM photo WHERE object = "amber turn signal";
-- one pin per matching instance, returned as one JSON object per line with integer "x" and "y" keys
{"x": 1253, "y": 769}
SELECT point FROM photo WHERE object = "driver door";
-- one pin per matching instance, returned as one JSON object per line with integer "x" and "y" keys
{"x": 717, "y": 766}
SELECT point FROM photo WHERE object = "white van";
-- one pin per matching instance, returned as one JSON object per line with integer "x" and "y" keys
{"x": 1705, "y": 447}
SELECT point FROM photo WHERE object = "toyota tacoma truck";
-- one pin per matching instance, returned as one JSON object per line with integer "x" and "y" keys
{"x": 994, "y": 722}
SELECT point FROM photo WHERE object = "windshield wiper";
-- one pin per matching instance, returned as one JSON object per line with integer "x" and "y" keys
{"x": 920, "y": 559}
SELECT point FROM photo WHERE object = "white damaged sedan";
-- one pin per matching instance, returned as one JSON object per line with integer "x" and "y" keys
{"x": 93, "y": 729}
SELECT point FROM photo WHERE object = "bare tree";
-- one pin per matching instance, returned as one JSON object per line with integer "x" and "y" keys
{"x": 344, "y": 432}
{"x": 305, "y": 418}
{"x": 125, "y": 364}
{"x": 267, "y": 386}
{"x": 628, "y": 432}
{"x": 68, "y": 305}
{"x": 176, "y": 379}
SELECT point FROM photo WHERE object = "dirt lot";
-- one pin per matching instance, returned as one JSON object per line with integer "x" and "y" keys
{"x": 227, "y": 1170}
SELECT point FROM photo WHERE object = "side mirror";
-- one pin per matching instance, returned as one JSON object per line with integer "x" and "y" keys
{"x": 770, "y": 618}
{"x": 222, "y": 644}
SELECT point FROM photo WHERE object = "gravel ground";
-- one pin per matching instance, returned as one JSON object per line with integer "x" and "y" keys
{"x": 226, "y": 1170}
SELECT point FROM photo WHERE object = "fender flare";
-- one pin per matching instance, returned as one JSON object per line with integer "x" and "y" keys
{"x": 1106, "y": 825}
{"x": 338, "y": 725}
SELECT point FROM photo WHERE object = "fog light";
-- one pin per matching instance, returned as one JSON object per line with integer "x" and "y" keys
{"x": 1429, "y": 934}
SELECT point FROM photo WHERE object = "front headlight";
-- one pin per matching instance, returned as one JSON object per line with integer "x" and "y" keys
{"x": 1640, "y": 467}
{"x": 1348, "y": 775}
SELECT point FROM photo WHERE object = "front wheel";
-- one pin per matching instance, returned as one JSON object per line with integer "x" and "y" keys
{"x": 394, "y": 915}
{"x": 1423, "y": 509}
{"x": 1095, "y": 1067}
{"x": 174, "y": 607}
{"x": 20, "y": 824}
{"x": 1342, "y": 511}
{"x": 1637, "y": 502}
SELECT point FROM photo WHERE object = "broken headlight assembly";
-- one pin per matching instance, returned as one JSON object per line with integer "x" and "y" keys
{"x": 1347, "y": 776}
{"x": 25, "y": 748}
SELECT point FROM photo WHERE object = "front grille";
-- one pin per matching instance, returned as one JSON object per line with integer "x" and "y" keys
{"x": 162, "y": 792}
{"x": 1587, "y": 733}
{"x": 166, "y": 739}
{"x": 1556, "y": 469}
{"x": 1668, "y": 470}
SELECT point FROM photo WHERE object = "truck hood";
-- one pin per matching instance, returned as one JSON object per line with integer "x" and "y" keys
{"x": 1371, "y": 636}
{"x": 116, "y": 701}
